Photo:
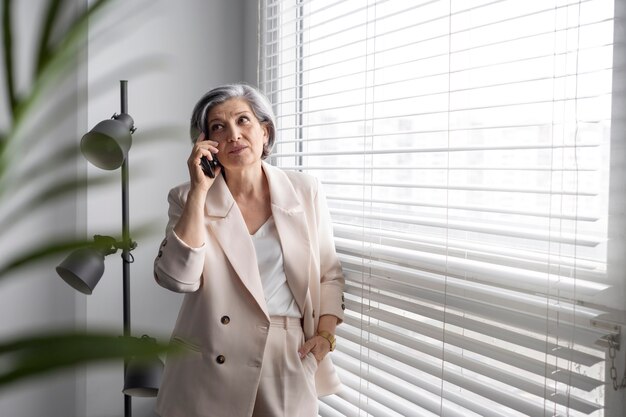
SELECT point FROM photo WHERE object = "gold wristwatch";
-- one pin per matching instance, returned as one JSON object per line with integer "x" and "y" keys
{"x": 329, "y": 337}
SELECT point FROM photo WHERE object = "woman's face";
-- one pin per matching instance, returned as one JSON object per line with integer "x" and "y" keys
{"x": 239, "y": 134}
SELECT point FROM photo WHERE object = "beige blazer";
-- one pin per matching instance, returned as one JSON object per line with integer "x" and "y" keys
{"x": 223, "y": 320}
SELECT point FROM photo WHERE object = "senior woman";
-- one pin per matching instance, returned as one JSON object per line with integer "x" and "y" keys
{"x": 253, "y": 250}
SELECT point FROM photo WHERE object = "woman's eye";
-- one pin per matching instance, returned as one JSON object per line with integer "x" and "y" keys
{"x": 244, "y": 119}
{"x": 215, "y": 127}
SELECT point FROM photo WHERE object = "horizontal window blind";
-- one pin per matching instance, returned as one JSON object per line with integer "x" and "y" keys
{"x": 463, "y": 148}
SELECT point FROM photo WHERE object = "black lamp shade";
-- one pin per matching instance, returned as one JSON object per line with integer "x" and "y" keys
{"x": 107, "y": 144}
{"x": 82, "y": 269}
{"x": 143, "y": 377}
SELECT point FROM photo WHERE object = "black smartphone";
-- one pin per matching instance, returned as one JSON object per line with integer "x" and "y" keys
{"x": 209, "y": 166}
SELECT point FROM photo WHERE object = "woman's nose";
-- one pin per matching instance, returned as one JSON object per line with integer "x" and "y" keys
{"x": 235, "y": 134}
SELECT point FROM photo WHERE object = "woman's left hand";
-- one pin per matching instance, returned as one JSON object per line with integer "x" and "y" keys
{"x": 317, "y": 345}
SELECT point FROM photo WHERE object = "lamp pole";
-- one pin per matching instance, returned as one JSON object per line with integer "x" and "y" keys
{"x": 106, "y": 146}
{"x": 126, "y": 249}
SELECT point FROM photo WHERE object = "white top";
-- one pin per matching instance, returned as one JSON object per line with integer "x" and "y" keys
{"x": 269, "y": 254}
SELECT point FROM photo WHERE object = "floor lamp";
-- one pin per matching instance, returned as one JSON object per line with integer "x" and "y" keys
{"x": 106, "y": 146}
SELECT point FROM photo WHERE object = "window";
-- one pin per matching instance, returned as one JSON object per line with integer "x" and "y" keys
{"x": 462, "y": 145}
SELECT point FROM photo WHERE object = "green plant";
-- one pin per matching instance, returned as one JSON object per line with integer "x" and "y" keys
{"x": 55, "y": 55}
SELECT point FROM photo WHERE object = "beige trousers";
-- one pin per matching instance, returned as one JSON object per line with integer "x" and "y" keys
{"x": 287, "y": 387}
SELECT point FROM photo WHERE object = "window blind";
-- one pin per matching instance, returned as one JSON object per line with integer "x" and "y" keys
{"x": 463, "y": 147}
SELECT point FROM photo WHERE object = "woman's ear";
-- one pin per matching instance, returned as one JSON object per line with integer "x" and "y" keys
{"x": 266, "y": 133}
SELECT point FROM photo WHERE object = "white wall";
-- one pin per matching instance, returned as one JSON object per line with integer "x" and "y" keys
{"x": 171, "y": 52}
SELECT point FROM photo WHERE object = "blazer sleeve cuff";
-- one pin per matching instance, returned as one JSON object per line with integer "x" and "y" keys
{"x": 332, "y": 300}
{"x": 178, "y": 267}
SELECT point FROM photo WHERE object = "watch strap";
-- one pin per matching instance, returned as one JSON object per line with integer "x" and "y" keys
{"x": 330, "y": 337}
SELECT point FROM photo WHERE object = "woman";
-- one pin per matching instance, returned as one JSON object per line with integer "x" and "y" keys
{"x": 253, "y": 250}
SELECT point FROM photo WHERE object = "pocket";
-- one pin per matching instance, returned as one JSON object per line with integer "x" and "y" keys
{"x": 186, "y": 372}
{"x": 186, "y": 344}
{"x": 310, "y": 363}
{"x": 188, "y": 359}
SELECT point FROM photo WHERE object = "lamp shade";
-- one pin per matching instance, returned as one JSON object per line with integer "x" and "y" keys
{"x": 82, "y": 269}
{"x": 143, "y": 377}
{"x": 107, "y": 144}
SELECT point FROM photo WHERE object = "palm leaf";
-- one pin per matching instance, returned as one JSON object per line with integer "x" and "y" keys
{"x": 59, "y": 189}
{"x": 58, "y": 247}
{"x": 7, "y": 34}
{"x": 54, "y": 57}
{"x": 39, "y": 354}
{"x": 57, "y": 63}
{"x": 43, "y": 53}
{"x": 41, "y": 252}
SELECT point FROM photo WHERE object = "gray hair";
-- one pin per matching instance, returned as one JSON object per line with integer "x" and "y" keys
{"x": 260, "y": 105}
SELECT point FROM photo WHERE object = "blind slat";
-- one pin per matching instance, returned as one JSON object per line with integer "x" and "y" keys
{"x": 481, "y": 209}
{"x": 462, "y": 150}
{"x": 468, "y": 226}
{"x": 472, "y": 188}
{"x": 494, "y": 330}
{"x": 379, "y": 403}
{"x": 490, "y": 42}
{"x": 477, "y": 168}
{"x": 350, "y": 65}
{"x": 547, "y": 262}
{"x": 409, "y": 393}
{"x": 471, "y": 270}
{"x": 405, "y": 133}
{"x": 337, "y": 92}
{"x": 468, "y": 361}
{"x": 521, "y": 312}
{"x": 521, "y": 103}
{"x": 429, "y": 386}
{"x": 481, "y": 387}
{"x": 508, "y": 147}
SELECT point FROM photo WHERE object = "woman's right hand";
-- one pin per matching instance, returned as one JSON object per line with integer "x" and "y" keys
{"x": 199, "y": 180}
{"x": 189, "y": 226}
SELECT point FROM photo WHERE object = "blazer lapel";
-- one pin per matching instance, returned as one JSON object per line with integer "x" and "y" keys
{"x": 292, "y": 230}
{"x": 227, "y": 224}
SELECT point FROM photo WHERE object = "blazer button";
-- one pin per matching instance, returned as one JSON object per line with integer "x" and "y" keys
{"x": 220, "y": 359}
{"x": 160, "y": 253}
{"x": 225, "y": 320}
{"x": 343, "y": 306}
{"x": 164, "y": 242}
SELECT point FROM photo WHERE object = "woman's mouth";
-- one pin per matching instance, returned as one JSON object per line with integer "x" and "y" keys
{"x": 237, "y": 150}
